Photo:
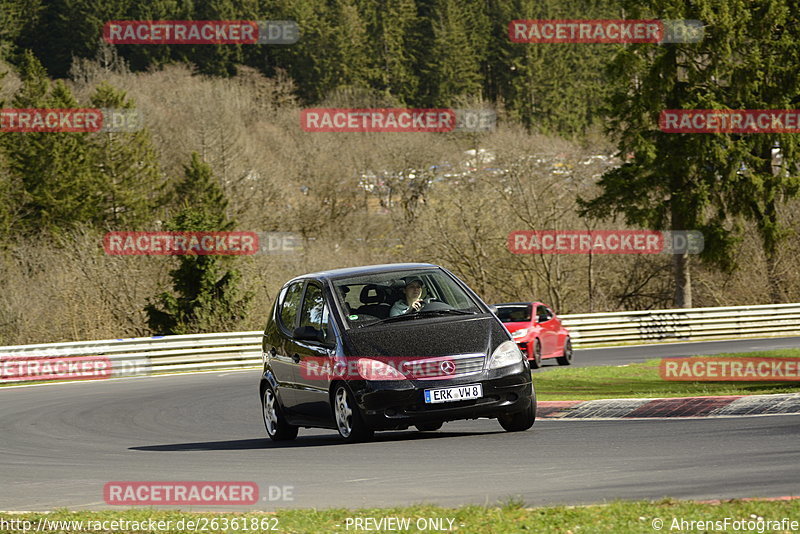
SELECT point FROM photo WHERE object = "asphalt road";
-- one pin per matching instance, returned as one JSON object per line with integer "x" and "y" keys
{"x": 61, "y": 443}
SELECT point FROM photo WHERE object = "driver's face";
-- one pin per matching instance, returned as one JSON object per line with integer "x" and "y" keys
{"x": 413, "y": 291}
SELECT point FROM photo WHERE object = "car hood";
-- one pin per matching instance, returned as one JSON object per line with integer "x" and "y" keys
{"x": 420, "y": 338}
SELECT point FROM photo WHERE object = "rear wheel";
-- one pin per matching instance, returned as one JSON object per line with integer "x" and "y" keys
{"x": 274, "y": 421}
{"x": 536, "y": 362}
{"x": 349, "y": 422}
{"x": 566, "y": 359}
{"x": 520, "y": 421}
{"x": 428, "y": 427}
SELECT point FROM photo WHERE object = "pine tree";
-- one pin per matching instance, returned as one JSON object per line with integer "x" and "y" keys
{"x": 142, "y": 57}
{"x": 557, "y": 88}
{"x": 393, "y": 40}
{"x": 15, "y": 15}
{"x": 220, "y": 59}
{"x": 63, "y": 29}
{"x": 205, "y": 297}
{"x": 312, "y": 61}
{"x": 55, "y": 170}
{"x": 350, "y": 46}
{"x": 675, "y": 181}
{"x": 763, "y": 74}
{"x": 460, "y": 37}
{"x": 130, "y": 175}
{"x": 10, "y": 192}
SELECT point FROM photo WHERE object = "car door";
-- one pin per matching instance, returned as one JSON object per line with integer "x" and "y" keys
{"x": 311, "y": 401}
{"x": 547, "y": 333}
{"x": 557, "y": 327}
{"x": 287, "y": 315}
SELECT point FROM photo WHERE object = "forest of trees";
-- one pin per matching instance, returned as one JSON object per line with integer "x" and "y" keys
{"x": 417, "y": 53}
{"x": 577, "y": 146}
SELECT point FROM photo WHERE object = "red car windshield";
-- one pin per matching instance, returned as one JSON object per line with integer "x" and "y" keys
{"x": 514, "y": 314}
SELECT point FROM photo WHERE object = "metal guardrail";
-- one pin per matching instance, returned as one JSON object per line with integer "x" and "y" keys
{"x": 132, "y": 357}
{"x": 236, "y": 350}
{"x": 691, "y": 324}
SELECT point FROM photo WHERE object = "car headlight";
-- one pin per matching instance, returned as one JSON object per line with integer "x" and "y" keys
{"x": 520, "y": 333}
{"x": 505, "y": 354}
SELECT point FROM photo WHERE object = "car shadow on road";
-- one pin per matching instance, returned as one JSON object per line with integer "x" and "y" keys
{"x": 316, "y": 440}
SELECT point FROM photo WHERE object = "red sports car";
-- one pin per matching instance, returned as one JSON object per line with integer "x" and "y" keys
{"x": 539, "y": 335}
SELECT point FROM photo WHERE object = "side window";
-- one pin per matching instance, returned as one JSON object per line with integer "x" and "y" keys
{"x": 290, "y": 305}
{"x": 543, "y": 314}
{"x": 315, "y": 312}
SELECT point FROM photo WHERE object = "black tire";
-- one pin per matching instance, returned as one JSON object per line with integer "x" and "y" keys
{"x": 566, "y": 359}
{"x": 429, "y": 427}
{"x": 520, "y": 421}
{"x": 536, "y": 362}
{"x": 274, "y": 421}
{"x": 349, "y": 423}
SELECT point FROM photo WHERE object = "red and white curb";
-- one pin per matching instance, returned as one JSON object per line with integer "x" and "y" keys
{"x": 723, "y": 406}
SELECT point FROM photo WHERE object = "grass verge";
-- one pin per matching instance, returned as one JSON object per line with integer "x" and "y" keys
{"x": 619, "y": 517}
{"x": 642, "y": 380}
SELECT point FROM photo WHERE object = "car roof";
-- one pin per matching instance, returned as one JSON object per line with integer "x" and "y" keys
{"x": 518, "y": 303}
{"x": 364, "y": 269}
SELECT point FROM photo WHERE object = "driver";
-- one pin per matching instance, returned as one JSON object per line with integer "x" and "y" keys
{"x": 412, "y": 301}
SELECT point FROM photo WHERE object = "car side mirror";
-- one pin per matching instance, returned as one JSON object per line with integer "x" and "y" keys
{"x": 308, "y": 333}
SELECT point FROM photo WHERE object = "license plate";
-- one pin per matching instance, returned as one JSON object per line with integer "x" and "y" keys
{"x": 473, "y": 391}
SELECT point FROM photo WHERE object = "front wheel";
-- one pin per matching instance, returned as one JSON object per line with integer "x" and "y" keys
{"x": 566, "y": 359}
{"x": 274, "y": 421}
{"x": 536, "y": 362}
{"x": 349, "y": 423}
{"x": 520, "y": 421}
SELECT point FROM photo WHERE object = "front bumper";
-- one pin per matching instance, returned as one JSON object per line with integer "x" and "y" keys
{"x": 397, "y": 405}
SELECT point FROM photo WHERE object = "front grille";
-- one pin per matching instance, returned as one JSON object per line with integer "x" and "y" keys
{"x": 470, "y": 364}
{"x": 431, "y": 368}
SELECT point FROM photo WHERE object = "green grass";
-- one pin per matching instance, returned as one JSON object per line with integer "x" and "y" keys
{"x": 619, "y": 517}
{"x": 641, "y": 380}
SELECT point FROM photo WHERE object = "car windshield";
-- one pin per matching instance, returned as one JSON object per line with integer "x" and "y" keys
{"x": 378, "y": 298}
{"x": 514, "y": 314}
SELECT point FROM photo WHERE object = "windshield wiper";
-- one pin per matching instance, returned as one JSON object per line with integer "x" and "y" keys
{"x": 392, "y": 319}
{"x": 447, "y": 312}
{"x": 422, "y": 313}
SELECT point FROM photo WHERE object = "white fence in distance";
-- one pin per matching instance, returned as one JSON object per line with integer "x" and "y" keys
{"x": 690, "y": 324}
{"x": 236, "y": 350}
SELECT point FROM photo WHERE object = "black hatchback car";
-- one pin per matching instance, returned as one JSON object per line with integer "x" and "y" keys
{"x": 386, "y": 347}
